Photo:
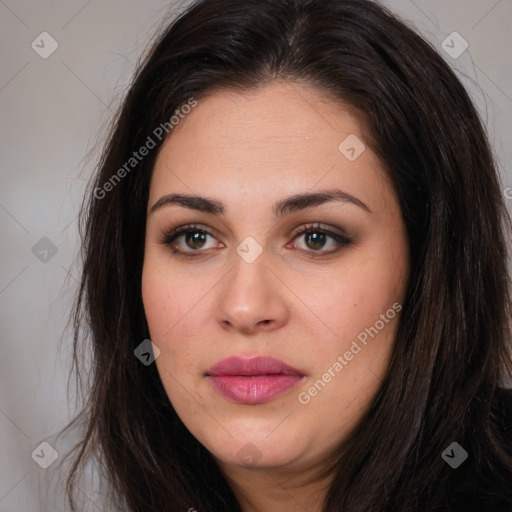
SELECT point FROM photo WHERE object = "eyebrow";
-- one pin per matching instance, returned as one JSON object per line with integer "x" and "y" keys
{"x": 281, "y": 208}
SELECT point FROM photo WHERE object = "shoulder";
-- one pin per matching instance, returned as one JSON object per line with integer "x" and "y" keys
{"x": 483, "y": 483}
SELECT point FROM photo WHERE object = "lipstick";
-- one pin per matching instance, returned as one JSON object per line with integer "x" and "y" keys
{"x": 252, "y": 380}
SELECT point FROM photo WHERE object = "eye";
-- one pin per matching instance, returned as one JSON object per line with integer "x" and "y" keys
{"x": 317, "y": 238}
{"x": 193, "y": 240}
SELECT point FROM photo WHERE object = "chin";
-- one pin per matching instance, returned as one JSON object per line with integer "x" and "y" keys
{"x": 257, "y": 453}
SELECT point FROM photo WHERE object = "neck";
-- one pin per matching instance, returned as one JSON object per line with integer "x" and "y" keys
{"x": 276, "y": 489}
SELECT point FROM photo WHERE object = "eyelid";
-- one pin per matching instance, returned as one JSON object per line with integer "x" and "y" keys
{"x": 320, "y": 226}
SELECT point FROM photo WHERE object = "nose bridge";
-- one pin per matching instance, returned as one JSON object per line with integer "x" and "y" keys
{"x": 249, "y": 279}
{"x": 250, "y": 298}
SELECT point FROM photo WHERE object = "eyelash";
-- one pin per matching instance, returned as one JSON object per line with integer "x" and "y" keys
{"x": 170, "y": 237}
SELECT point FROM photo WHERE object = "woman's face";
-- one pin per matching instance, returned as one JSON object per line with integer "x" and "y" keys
{"x": 249, "y": 172}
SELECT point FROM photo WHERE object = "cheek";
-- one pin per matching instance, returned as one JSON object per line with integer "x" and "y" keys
{"x": 365, "y": 289}
{"x": 159, "y": 308}
{"x": 176, "y": 312}
{"x": 362, "y": 305}
{"x": 168, "y": 296}
{"x": 354, "y": 324}
{"x": 164, "y": 315}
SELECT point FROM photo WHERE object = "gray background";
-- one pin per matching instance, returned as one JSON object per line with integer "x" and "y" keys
{"x": 54, "y": 112}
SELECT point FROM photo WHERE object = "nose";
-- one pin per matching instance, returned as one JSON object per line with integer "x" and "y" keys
{"x": 252, "y": 298}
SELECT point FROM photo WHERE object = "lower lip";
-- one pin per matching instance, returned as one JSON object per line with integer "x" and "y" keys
{"x": 253, "y": 389}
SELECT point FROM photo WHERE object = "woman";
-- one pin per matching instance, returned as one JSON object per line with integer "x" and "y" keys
{"x": 295, "y": 273}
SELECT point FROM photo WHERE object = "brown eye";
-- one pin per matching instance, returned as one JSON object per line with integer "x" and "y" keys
{"x": 320, "y": 240}
{"x": 188, "y": 240}
{"x": 315, "y": 240}
{"x": 195, "y": 239}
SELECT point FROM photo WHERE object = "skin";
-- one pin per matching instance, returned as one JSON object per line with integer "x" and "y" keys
{"x": 248, "y": 150}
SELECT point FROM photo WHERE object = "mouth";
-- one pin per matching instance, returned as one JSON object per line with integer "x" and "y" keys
{"x": 252, "y": 380}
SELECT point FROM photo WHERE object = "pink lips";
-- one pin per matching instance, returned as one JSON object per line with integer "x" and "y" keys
{"x": 254, "y": 380}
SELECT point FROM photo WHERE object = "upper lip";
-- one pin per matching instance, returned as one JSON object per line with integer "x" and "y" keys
{"x": 259, "y": 365}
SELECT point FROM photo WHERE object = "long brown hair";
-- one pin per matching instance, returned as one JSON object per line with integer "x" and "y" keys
{"x": 451, "y": 351}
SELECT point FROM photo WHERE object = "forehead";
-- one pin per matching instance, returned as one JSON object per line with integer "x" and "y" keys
{"x": 281, "y": 136}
